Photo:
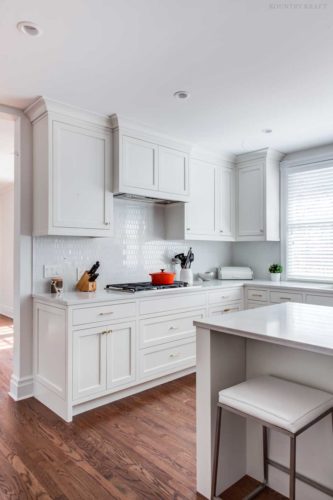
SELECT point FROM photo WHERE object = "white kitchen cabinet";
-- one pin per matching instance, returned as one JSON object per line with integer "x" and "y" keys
{"x": 148, "y": 165}
{"x": 173, "y": 170}
{"x": 258, "y": 196}
{"x": 89, "y": 362}
{"x": 72, "y": 171}
{"x": 140, "y": 164}
{"x": 120, "y": 363}
{"x": 225, "y": 309}
{"x": 209, "y": 215}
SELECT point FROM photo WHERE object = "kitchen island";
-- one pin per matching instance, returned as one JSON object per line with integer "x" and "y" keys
{"x": 290, "y": 340}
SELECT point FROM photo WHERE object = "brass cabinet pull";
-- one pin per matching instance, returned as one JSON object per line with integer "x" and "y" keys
{"x": 106, "y": 331}
{"x": 105, "y": 313}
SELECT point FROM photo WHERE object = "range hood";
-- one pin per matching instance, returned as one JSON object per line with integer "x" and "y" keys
{"x": 146, "y": 199}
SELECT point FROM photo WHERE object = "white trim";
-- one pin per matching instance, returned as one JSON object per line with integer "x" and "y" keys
{"x": 7, "y": 311}
{"x": 22, "y": 388}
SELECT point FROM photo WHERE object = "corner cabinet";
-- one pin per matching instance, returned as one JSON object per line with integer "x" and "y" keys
{"x": 72, "y": 171}
{"x": 209, "y": 215}
{"x": 258, "y": 196}
{"x": 149, "y": 165}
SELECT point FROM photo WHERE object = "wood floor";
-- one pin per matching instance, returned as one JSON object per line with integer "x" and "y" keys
{"x": 142, "y": 447}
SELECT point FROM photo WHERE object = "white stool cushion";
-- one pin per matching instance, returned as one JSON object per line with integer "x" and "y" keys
{"x": 279, "y": 402}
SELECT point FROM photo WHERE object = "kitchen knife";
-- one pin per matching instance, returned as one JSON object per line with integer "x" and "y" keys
{"x": 94, "y": 268}
{"x": 93, "y": 277}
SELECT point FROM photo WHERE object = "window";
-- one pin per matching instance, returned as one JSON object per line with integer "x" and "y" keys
{"x": 308, "y": 222}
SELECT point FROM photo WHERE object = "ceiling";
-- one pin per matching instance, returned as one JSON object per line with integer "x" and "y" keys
{"x": 248, "y": 64}
{"x": 7, "y": 128}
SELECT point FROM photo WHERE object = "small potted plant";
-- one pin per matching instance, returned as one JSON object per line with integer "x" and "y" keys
{"x": 275, "y": 270}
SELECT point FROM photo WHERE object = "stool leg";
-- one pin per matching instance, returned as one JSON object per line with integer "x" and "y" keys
{"x": 216, "y": 450}
{"x": 292, "y": 473}
{"x": 265, "y": 452}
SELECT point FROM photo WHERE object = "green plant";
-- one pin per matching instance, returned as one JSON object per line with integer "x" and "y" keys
{"x": 275, "y": 268}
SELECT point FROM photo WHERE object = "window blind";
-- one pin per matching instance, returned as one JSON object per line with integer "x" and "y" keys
{"x": 309, "y": 223}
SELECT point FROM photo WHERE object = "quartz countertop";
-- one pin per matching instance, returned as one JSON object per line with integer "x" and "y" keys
{"x": 303, "y": 326}
{"x": 77, "y": 298}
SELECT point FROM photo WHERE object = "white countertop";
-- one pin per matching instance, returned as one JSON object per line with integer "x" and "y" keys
{"x": 304, "y": 326}
{"x": 77, "y": 298}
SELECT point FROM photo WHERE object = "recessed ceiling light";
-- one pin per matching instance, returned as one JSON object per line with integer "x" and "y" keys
{"x": 29, "y": 28}
{"x": 267, "y": 131}
{"x": 181, "y": 94}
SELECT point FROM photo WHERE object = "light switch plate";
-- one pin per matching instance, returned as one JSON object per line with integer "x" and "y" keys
{"x": 51, "y": 270}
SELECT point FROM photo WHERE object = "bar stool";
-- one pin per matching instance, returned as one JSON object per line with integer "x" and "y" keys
{"x": 278, "y": 404}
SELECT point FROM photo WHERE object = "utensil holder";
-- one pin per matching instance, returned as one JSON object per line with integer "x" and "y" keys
{"x": 187, "y": 276}
{"x": 84, "y": 285}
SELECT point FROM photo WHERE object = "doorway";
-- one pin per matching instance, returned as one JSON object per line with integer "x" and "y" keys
{"x": 7, "y": 165}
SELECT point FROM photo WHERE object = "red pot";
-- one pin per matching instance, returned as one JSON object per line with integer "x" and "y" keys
{"x": 162, "y": 278}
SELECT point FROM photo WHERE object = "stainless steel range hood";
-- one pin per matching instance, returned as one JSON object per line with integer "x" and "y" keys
{"x": 146, "y": 199}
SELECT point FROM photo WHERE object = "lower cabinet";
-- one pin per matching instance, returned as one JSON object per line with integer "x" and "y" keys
{"x": 103, "y": 359}
{"x": 225, "y": 309}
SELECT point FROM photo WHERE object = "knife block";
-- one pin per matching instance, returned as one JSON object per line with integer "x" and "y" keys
{"x": 84, "y": 285}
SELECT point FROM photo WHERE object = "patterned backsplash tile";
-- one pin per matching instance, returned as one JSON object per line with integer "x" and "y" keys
{"x": 137, "y": 248}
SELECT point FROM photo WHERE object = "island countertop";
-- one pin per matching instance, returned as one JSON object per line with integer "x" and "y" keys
{"x": 302, "y": 326}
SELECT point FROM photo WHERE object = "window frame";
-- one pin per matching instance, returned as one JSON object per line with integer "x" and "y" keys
{"x": 285, "y": 170}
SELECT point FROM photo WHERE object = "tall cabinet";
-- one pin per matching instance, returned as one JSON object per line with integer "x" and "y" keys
{"x": 258, "y": 196}
{"x": 72, "y": 171}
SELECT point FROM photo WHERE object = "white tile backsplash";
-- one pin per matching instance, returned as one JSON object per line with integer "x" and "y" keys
{"x": 137, "y": 248}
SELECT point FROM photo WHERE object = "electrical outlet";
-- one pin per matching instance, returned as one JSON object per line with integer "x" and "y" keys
{"x": 51, "y": 270}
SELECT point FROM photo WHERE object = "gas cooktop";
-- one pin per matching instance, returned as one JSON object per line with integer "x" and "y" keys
{"x": 144, "y": 286}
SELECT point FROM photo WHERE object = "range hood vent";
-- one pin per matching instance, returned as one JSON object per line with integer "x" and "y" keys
{"x": 145, "y": 199}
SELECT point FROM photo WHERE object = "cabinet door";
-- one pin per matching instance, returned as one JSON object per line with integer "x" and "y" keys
{"x": 121, "y": 355}
{"x": 81, "y": 173}
{"x": 250, "y": 201}
{"x": 140, "y": 169}
{"x": 172, "y": 171}
{"x": 225, "y": 202}
{"x": 200, "y": 211}
{"x": 89, "y": 362}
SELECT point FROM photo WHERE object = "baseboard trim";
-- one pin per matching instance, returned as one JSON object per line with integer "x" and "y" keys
{"x": 21, "y": 388}
{"x": 7, "y": 311}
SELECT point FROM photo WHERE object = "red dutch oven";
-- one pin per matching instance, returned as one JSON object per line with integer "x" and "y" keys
{"x": 162, "y": 278}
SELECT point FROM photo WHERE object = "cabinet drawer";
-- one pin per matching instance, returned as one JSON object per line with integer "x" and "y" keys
{"x": 320, "y": 300}
{"x": 280, "y": 296}
{"x": 224, "y": 296}
{"x": 178, "y": 301}
{"x": 164, "y": 329}
{"x": 167, "y": 359}
{"x": 225, "y": 309}
{"x": 104, "y": 313}
{"x": 256, "y": 294}
{"x": 254, "y": 304}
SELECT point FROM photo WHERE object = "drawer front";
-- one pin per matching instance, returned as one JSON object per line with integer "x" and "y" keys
{"x": 178, "y": 301}
{"x": 225, "y": 309}
{"x": 225, "y": 296}
{"x": 106, "y": 313}
{"x": 257, "y": 294}
{"x": 167, "y": 359}
{"x": 320, "y": 300}
{"x": 254, "y": 304}
{"x": 280, "y": 296}
{"x": 155, "y": 331}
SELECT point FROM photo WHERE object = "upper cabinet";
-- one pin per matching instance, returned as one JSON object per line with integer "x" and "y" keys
{"x": 258, "y": 196}
{"x": 209, "y": 215}
{"x": 72, "y": 171}
{"x": 149, "y": 165}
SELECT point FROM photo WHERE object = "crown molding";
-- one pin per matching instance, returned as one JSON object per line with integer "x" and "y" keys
{"x": 221, "y": 158}
{"x": 260, "y": 154}
{"x": 44, "y": 105}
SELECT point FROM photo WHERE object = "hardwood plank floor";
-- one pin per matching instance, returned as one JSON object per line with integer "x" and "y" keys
{"x": 142, "y": 447}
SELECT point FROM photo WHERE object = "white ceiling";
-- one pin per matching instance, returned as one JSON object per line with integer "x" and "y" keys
{"x": 7, "y": 128}
{"x": 247, "y": 65}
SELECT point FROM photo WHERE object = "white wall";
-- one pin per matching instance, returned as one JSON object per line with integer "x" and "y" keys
{"x": 259, "y": 255}
{"x": 7, "y": 251}
{"x": 137, "y": 248}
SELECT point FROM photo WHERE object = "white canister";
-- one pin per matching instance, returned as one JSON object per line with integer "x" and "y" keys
{"x": 187, "y": 276}
{"x": 275, "y": 276}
